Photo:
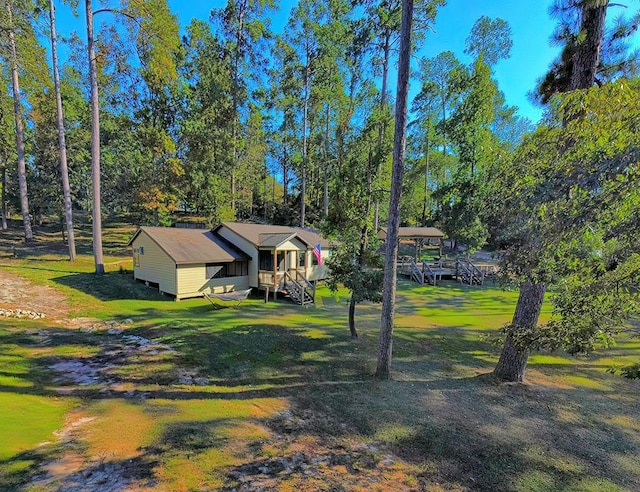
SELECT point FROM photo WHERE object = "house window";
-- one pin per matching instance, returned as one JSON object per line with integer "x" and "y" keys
{"x": 238, "y": 269}
{"x": 216, "y": 270}
{"x": 265, "y": 260}
{"x": 302, "y": 258}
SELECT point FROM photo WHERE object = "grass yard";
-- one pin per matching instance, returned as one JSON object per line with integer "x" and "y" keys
{"x": 278, "y": 397}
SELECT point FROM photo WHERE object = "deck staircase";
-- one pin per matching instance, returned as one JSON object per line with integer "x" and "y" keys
{"x": 421, "y": 273}
{"x": 299, "y": 289}
{"x": 468, "y": 273}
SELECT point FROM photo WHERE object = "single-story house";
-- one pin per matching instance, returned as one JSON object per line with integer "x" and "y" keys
{"x": 231, "y": 257}
{"x": 187, "y": 262}
{"x": 276, "y": 251}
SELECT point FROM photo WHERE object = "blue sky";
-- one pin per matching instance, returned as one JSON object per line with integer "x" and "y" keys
{"x": 529, "y": 20}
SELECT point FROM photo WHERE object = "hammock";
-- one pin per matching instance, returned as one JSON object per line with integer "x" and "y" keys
{"x": 238, "y": 296}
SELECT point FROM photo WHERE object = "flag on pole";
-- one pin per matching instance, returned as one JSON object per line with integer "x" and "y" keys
{"x": 317, "y": 253}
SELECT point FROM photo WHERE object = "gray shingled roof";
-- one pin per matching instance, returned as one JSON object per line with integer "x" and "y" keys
{"x": 253, "y": 233}
{"x": 275, "y": 240}
{"x": 413, "y": 232}
{"x": 188, "y": 246}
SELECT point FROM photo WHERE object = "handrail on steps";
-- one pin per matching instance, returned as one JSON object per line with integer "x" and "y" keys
{"x": 430, "y": 273}
{"x": 476, "y": 271}
{"x": 416, "y": 272}
{"x": 297, "y": 283}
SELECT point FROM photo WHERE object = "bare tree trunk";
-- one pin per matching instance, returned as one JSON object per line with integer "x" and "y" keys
{"x": 426, "y": 180}
{"x": 444, "y": 126}
{"x": 285, "y": 177}
{"x": 352, "y": 316}
{"x": 305, "y": 122}
{"x": 64, "y": 170}
{"x": 513, "y": 359}
{"x": 587, "y": 56}
{"x": 381, "y": 132}
{"x": 385, "y": 346}
{"x": 3, "y": 199}
{"x": 17, "y": 112}
{"x": 325, "y": 198}
{"x": 95, "y": 145}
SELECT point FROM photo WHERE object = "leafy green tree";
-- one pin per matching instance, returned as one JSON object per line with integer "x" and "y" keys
{"x": 422, "y": 141}
{"x": 535, "y": 273}
{"x": 490, "y": 39}
{"x": 591, "y": 53}
{"x": 206, "y": 123}
{"x": 441, "y": 71}
{"x": 285, "y": 92}
{"x": 356, "y": 263}
{"x": 243, "y": 29}
{"x": 385, "y": 19}
{"x": 302, "y": 34}
{"x": 566, "y": 222}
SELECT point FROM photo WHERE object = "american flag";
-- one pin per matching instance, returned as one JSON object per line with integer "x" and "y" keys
{"x": 317, "y": 254}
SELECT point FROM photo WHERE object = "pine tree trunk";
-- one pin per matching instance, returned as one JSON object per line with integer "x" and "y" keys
{"x": 64, "y": 170}
{"x": 17, "y": 112}
{"x": 352, "y": 317}
{"x": 3, "y": 200}
{"x": 305, "y": 121}
{"x": 513, "y": 359}
{"x": 587, "y": 56}
{"x": 385, "y": 345}
{"x": 95, "y": 145}
{"x": 386, "y": 54}
{"x": 426, "y": 181}
{"x": 325, "y": 188}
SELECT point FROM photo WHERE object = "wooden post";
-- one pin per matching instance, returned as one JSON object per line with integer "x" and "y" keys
{"x": 266, "y": 295}
{"x": 275, "y": 273}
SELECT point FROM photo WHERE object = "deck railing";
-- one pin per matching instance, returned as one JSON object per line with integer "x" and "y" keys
{"x": 428, "y": 272}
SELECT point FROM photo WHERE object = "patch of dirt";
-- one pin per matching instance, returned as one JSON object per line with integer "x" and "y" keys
{"x": 307, "y": 461}
{"x": 74, "y": 472}
{"x": 18, "y": 293}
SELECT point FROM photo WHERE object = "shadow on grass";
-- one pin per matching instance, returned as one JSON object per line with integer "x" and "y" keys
{"x": 461, "y": 432}
{"x": 110, "y": 287}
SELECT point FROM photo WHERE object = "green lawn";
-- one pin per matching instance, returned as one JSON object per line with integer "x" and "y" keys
{"x": 282, "y": 398}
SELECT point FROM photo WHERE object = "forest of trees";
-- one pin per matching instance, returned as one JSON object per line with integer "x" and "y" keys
{"x": 233, "y": 121}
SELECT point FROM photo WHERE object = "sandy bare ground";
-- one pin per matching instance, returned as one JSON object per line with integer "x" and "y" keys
{"x": 18, "y": 293}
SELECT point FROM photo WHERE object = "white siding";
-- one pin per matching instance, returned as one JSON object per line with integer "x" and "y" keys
{"x": 193, "y": 282}
{"x": 293, "y": 245}
{"x": 317, "y": 272}
{"x": 154, "y": 264}
{"x": 246, "y": 247}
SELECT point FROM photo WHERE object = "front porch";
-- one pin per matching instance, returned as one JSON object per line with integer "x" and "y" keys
{"x": 283, "y": 271}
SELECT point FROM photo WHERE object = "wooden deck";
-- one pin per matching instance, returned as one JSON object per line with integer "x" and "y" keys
{"x": 463, "y": 271}
{"x": 440, "y": 272}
